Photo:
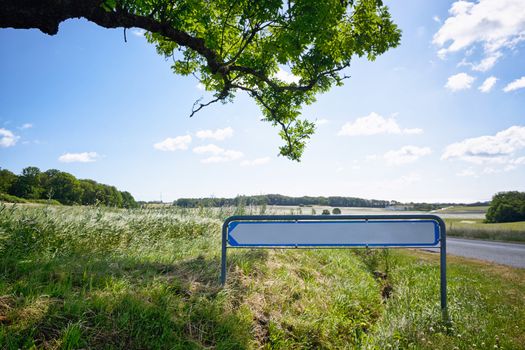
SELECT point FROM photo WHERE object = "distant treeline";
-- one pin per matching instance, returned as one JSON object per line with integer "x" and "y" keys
{"x": 277, "y": 199}
{"x": 56, "y": 185}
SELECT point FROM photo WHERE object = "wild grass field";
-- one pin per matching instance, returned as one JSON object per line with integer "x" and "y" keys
{"x": 478, "y": 229}
{"x": 87, "y": 277}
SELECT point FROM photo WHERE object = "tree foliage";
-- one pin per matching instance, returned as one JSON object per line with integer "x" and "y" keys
{"x": 7, "y": 179}
{"x": 27, "y": 185}
{"x": 62, "y": 187}
{"x": 507, "y": 207}
{"x": 277, "y": 199}
{"x": 232, "y": 46}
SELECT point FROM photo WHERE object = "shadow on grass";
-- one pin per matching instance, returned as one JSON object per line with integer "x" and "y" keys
{"x": 122, "y": 303}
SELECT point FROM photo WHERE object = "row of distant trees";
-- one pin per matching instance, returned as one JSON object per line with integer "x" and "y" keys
{"x": 335, "y": 201}
{"x": 507, "y": 207}
{"x": 33, "y": 184}
{"x": 277, "y": 199}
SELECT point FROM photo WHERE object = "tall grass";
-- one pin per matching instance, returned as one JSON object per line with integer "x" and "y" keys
{"x": 477, "y": 229}
{"x": 79, "y": 277}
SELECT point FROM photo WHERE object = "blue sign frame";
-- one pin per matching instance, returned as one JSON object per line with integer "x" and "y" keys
{"x": 234, "y": 244}
{"x": 440, "y": 238}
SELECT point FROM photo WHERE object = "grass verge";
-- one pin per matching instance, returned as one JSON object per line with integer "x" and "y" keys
{"x": 132, "y": 279}
{"x": 477, "y": 229}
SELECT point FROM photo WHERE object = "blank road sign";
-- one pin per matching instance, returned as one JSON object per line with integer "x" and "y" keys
{"x": 311, "y": 231}
{"x": 334, "y": 233}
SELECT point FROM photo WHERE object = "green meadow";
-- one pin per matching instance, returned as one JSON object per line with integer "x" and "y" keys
{"x": 90, "y": 277}
{"x": 478, "y": 229}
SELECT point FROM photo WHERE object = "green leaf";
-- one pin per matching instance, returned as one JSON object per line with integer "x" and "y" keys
{"x": 109, "y": 5}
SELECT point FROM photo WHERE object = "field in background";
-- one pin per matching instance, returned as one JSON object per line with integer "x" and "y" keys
{"x": 460, "y": 209}
{"x": 462, "y": 221}
{"x": 473, "y": 213}
{"x": 81, "y": 277}
{"x": 477, "y": 229}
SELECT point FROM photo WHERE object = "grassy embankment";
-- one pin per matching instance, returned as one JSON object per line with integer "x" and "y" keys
{"x": 77, "y": 277}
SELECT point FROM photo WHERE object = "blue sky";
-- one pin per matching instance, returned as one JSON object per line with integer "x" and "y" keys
{"x": 440, "y": 118}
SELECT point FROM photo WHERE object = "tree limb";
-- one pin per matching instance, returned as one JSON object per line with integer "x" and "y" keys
{"x": 46, "y": 15}
{"x": 237, "y": 46}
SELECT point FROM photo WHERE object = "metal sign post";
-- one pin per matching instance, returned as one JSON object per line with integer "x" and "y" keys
{"x": 338, "y": 231}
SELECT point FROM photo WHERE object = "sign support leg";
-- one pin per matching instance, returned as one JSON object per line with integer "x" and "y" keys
{"x": 223, "y": 255}
{"x": 443, "y": 274}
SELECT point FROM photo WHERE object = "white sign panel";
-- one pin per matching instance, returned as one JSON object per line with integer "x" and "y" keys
{"x": 334, "y": 233}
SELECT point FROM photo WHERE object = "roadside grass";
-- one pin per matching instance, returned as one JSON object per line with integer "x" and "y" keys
{"x": 81, "y": 277}
{"x": 477, "y": 229}
{"x": 485, "y": 304}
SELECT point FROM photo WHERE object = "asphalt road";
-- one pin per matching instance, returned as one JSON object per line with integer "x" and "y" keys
{"x": 512, "y": 254}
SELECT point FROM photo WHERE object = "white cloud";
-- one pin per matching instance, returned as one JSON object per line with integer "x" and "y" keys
{"x": 7, "y": 138}
{"x": 487, "y": 63}
{"x": 520, "y": 161}
{"x": 257, "y": 161}
{"x": 515, "y": 85}
{"x": 26, "y": 126}
{"x": 466, "y": 173}
{"x": 138, "y": 32}
{"x": 482, "y": 66}
{"x": 498, "y": 148}
{"x": 405, "y": 155}
{"x": 212, "y": 149}
{"x": 226, "y": 156}
{"x": 83, "y": 157}
{"x": 173, "y": 144}
{"x": 460, "y": 81}
{"x": 491, "y": 170}
{"x": 219, "y": 134}
{"x": 321, "y": 121}
{"x": 400, "y": 182}
{"x": 495, "y": 24}
{"x": 288, "y": 78}
{"x": 408, "y": 179}
{"x": 488, "y": 84}
{"x": 436, "y": 19}
{"x": 201, "y": 86}
{"x": 218, "y": 154}
{"x": 374, "y": 124}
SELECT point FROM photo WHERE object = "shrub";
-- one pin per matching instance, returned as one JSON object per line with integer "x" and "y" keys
{"x": 326, "y": 212}
{"x": 45, "y": 201}
{"x": 336, "y": 211}
{"x": 507, "y": 207}
{"x": 4, "y": 197}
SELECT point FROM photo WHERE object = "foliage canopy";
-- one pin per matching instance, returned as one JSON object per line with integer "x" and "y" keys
{"x": 232, "y": 46}
{"x": 507, "y": 207}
